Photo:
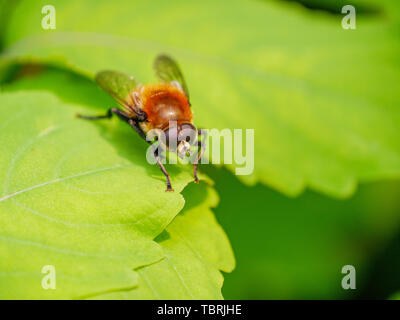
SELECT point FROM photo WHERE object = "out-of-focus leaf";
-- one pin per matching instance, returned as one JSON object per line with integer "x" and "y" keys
{"x": 296, "y": 248}
{"x": 67, "y": 86}
{"x": 396, "y": 296}
{"x": 362, "y": 7}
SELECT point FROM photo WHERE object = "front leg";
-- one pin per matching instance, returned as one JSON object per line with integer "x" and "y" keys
{"x": 135, "y": 125}
{"x": 160, "y": 165}
{"x": 200, "y": 150}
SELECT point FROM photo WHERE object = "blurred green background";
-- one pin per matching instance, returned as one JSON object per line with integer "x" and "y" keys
{"x": 287, "y": 246}
{"x": 296, "y": 247}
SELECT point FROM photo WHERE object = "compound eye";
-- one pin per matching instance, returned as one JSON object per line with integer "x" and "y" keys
{"x": 171, "y": 138}
{"x": 187, "y": 133}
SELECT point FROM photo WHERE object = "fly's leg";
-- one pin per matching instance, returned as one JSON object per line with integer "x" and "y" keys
{"x": 200, "y": 150}
{"x": 122, "y": 115}
{"x": 160, "y": 165}
{"x": 135, "y": 125}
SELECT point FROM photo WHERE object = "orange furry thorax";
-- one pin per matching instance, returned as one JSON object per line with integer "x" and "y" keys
{"x": 164, "y": 103}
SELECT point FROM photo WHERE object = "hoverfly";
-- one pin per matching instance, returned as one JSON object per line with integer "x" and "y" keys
{"x": 155, "y": 106}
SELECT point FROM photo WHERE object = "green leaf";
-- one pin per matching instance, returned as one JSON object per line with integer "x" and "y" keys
{"x": 67, "y": 86}
{"x": 195, "y": 249}
{"x": 363, "y": 7}
{"x": 79, "y": 196}
{"x": 322, "y": 100}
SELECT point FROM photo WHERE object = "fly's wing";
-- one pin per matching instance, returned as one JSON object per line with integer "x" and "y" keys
{"x": 167, "y": 70}
{"x": 118, "y": 85}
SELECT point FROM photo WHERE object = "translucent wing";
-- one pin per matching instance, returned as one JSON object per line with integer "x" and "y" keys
{"x": 167, "y": 70}
{"x": 118, "y": 85}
